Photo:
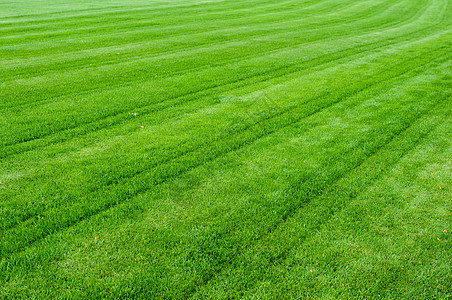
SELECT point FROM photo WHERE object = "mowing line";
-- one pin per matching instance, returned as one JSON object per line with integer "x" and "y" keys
{"x": 326, "y": 199}
{"x": 348, "y": 175}
{"x": 122, "y": 11}
{"x": 201, "y": 46}
{"x": 169, "y": 33}
{"x": 181, "y": 99}
{"x": 134, "y": 79}
{"x": 157, "y": 18}
{"x": 165, "y": 171}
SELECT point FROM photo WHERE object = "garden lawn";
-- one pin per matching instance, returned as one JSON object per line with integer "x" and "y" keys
{"x": 226, "y": 149}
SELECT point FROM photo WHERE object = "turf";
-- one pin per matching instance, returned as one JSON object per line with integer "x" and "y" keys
{"x": 226, "y": 149}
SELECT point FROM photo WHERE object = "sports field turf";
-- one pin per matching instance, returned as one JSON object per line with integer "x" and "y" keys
{"x": 254, "y": 149}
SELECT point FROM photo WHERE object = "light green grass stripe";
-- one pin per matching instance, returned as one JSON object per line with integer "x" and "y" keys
{"x": 252, "y": 175}
{"x": 160, "y": 49}
{"x": 310, "y": 219}
{"x": 34, "y": 259}
{"x": 137, "y": 180}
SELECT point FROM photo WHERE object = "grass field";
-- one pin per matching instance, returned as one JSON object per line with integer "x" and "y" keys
{"x": 226, "y": 149}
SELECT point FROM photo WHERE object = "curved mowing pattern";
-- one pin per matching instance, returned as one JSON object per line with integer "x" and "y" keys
{"x": 225, "y": 149}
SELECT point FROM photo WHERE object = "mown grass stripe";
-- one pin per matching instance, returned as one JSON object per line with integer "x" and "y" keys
{"x": 151, "y": 16}
{"x": 160, "y": 50}
{"x": 415, "y": 131}
{"x": 194, "y": 94}
{"x": 177, "y": 33}
{"x": 233, "y": 10}
{"x": 238, "y": 161}
{"x": 331, "y": 198}
{"x": 140, "y": 181}
{"x": 14, "y": 63}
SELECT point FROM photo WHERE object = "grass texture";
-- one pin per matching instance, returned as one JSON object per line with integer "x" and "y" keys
{"x": 225, "y": 149}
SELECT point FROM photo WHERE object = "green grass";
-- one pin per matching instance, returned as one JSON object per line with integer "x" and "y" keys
{"x": 226, "y": 149}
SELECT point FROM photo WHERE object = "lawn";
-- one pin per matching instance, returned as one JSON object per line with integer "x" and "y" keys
{"x": 226, "y": 149}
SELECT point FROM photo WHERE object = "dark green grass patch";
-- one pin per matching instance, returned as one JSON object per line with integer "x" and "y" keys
{"x": 224, "y": 149}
